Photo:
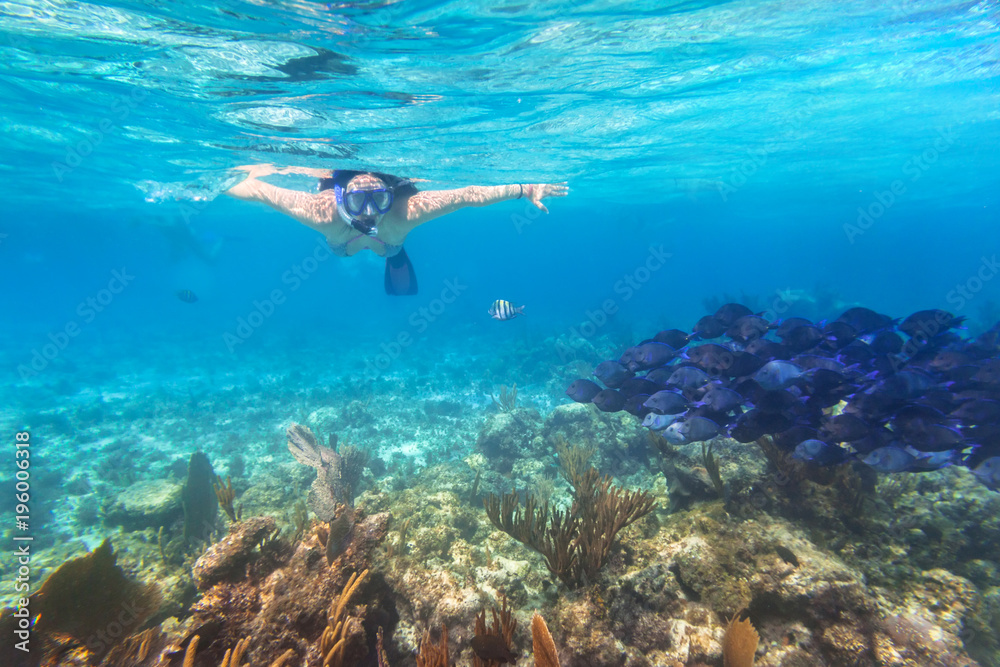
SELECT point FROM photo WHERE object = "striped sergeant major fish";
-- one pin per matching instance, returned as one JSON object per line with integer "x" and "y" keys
{"x": 505, "y": 310}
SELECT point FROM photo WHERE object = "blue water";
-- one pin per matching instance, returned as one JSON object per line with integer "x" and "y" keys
{"x": 743, "y": 137}
{"x": 802, "y": 156}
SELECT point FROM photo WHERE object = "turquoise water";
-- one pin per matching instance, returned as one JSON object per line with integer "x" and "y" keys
{"x": 802, "y": 157}
{"x": 655, "y": 116}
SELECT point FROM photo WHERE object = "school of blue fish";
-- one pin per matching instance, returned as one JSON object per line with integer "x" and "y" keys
{"x": 899, "y": 396}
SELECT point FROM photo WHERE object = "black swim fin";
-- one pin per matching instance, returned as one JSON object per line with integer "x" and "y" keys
{"x": 400, "y": 279}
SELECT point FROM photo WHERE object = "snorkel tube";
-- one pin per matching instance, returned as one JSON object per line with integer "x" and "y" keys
{"x": 360, "y": 225}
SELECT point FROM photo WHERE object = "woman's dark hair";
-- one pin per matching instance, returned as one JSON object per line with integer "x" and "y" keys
{"x": 401, "y": 187}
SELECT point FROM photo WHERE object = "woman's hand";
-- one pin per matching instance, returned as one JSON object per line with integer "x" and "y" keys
{"x": 536, "y": 192}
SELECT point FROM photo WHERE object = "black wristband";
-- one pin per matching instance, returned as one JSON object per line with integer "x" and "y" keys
{"x": 521, "y": 193}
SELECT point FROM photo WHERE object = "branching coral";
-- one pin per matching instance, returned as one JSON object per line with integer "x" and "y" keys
{"x": 507, "y": 400}
{"x": 339, "y": 533}
{"x": 333, "y": 643}
{"x": 226, "y": 496}
{"x": 502, "y": 627}
{"x": 134, "y": 650}
{"x": 383, "y": 661}
{"x": 605, "y": 511}
{"x": 329, "y": 488}
{"x": 431, "y": 654}
{"x": 573, "y": 460}
{"x": 575, "y": 543}
{"x": 712, "y": 467}
{"x": 234, "y": 656}
{"x": 542, "y": 645}
{"x": 83, "y": 597}
{"x": 500, "y": 631}
{"x": 739, "y": 643}
{"x": 355, "y": 460}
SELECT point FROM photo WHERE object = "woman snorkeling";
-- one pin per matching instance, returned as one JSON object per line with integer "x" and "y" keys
{"x": 356, "y": 210}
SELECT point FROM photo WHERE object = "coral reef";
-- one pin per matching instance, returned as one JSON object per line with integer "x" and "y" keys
{"x": 226, "y": 496}
{"x": 198, "y": 498}
{"x": 542, "y": 644}
{"x": 83, "y": 608}
{"x": 832, "y": 568}
{"x": 575, "y": 543}
{"x": 507, "y": 400}
{"x": 281, "y": 598}
{"x": 146, "y": 504}
{"x": 228, "y": 558}
{"x": 329, "y": 489}
{"x": 508, "y": 436}
{"x": 739, "y": 644}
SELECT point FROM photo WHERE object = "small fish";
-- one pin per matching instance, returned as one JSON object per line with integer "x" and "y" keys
{"x": 635, "y": 405}
{"x": 661, "y": 375}
{"x": 988, "y": 371}
{"x": 865, "y": 320}
{"x": 612, "y": 373}
{"x": 803, "y": 338}
{"x": 744, "y": 364}
{"x": 988, "y": 472}
{"x": 855, "y": 352}
{"x": 807, "y": 361}
{"x": 505, "y": 310}
{"x": 688, "y": 377}
{"x": 768, "y": 349}
{"x": 650, "y": 355}
{"x": 778, "y": 374}
{"x": 820, "y": 453}
{"x": 655, "y": 422}
{"x": 890, "y": 459}
{"x": 583, "y": 391}
{"x": 844, "y": 428}
{"x": 728, "y": 313}
{"x": 491, "y": 648}
{"x": 667, "y": 402}
{"x": 825, "y": 382}
{"x": 711, "y": 357}
{"x": 693, "y": 429}
{"x": 187, "y": 296}
{"x": 936, "y": 437}
{"x": 887, "y": 342}
{"x": 946, "y": 360}
{"x": 980, "y": 411}
{"x": 935, "y": 460}
{"x": 708, "y": 327}
{"x": 903, "y": 386}
{"x": 929, "y": 323}
{"x": 608, "y": 400}
{"x": 775, "y": 400}
{"x": 839, "y": 334}
{"x": 748, "y": 328}
{"x": 789, "y": 324}
{"x": 675, "y": 338}
{"x": 720, "y": 399}
{"x": 752, "y": 424}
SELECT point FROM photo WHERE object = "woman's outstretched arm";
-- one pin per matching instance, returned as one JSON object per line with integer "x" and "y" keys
{"x": 308, "y": 208}
{"x": 425, "y": 206}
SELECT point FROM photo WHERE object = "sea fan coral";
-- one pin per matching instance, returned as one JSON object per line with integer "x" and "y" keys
{"x": 740, "y": 643}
